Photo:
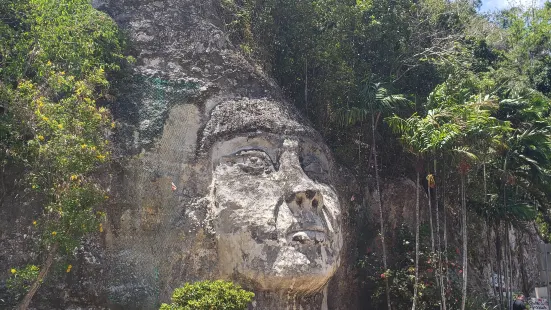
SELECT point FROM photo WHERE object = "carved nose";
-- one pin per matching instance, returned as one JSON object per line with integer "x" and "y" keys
{"x": 305, "y": 200}
{"x": 289, "y": 165}
{"x": 306, "y": 208}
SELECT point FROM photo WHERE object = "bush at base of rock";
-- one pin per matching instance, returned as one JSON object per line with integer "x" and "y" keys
{"x": 207, "y": 295}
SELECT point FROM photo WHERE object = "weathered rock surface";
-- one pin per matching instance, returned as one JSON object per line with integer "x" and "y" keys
{"x": 218, "y": 177}
{"x": 258, "y": 198}
{"x": 398, "y": 196}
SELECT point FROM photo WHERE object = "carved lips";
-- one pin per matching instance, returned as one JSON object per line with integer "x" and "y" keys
{"x": 306, "y": 237}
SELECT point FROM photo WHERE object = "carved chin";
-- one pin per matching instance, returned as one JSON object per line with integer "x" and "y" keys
{"x": 302, "y": 267}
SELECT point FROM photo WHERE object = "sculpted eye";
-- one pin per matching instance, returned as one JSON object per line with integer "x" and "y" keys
{"x": 251, "y": 161}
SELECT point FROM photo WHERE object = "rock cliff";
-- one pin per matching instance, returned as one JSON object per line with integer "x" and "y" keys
{"x": 227, "y": 179}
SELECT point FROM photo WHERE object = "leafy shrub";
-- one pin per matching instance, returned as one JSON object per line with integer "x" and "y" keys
{"x": 55, "y": 60}
{"x": 20, "y": 280}
{"x": 401, "y": 275}
{"x": 208, "y": 295}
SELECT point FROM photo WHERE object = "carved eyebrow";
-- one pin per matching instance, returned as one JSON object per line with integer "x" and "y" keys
{"x": 251, "y": 149}
{"x": 277, "y": 118}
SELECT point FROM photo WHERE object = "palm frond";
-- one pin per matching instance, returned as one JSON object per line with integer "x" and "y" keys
{"x": 464, "y": 151}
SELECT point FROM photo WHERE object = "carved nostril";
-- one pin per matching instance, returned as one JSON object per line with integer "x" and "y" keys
{"x": 305, "y": 199}
{"x": 315, "y": 203}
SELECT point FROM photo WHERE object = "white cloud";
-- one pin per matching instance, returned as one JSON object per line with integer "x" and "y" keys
{"x": 491, "y": 5}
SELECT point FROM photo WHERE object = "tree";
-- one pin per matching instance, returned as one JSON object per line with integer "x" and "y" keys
{"x": 55, "y": 59}
{"x": 441, "y": 134}
{"x": 208, "y": 295}
{"x": 374, "y": 101}
{"x": 412, "y": 136}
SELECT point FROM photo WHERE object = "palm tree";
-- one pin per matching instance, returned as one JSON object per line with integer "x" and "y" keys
{"x": 526, "y": 163}
{"x": 441, "y": 134}
{"x": 463, "y": 171}
{"x": 419, "y": 136}
{"x": 375, "y": 99}
{"x": 412, "y": 136}
{"x": 468, "y": 120}
{"x": 528, "y": 151}
{"x": 479, "y": 129}
{"x": 460, "y": 125}
{"x": 471, "y": 129}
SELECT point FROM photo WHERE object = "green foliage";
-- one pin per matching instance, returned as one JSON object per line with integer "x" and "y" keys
{"x": 70, "y": 141}
{"x": 55, "y": 64}
{"x": 401, "y": 275}
{"x": 374, "y": 99}
{"x": 321, "y": 51}
{"x": 55, "y": 57}
{"x": 207, "y": 295}
{"x": 239, "y": 22}
{"x": 71, "y": 35}
{"x": 20, "y": 280}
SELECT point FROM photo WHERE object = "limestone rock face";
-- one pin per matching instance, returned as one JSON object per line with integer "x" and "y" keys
{"x": 398, "y": 196}
{"x": 216, "y": 177}
{"x": 221, "y": 179}
{"x": 183, "y": 57}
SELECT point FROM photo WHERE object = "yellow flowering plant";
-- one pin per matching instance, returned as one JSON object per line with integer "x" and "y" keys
{"x": 21, "y": 279}
{"x": 53, "y": 125}
{"x": 60, "y": 165}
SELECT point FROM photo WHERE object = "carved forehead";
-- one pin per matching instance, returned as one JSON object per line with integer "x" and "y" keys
{"x": 236, "y": 117}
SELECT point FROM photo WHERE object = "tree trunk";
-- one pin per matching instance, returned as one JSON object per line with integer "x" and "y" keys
{"x": 306, "y": 86}
{"x": 488, "y": 240}
{"x": 371, "y": 151}
{"x": 523, "y": 275}
{"x": 485, "y": 185}
{"x": 381, "y": 218}
{"x": 430, "y": 221}
{"x": 24, "y": 304}
{"x": 445, "y": 232}
{"x": 506, "y": 229}
{"x": 510, "y": 267}
{"x": 416, "y": 246}
{"x": 465, "y": 254}
{"x": 499, "y": 265}
{"x": 506, "y": 269}
{"x": 440, "y": 279}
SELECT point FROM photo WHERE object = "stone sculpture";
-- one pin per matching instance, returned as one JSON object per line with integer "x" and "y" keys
{"x": 275, "y": 215}
{"x": 227, "y": 179}
{"x": 254, "y": 201}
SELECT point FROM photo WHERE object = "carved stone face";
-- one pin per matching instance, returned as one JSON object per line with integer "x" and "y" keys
{"x": 274, "y": 211}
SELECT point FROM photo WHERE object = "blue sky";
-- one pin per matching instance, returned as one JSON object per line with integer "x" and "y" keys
{"x": 491, "y": 5}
